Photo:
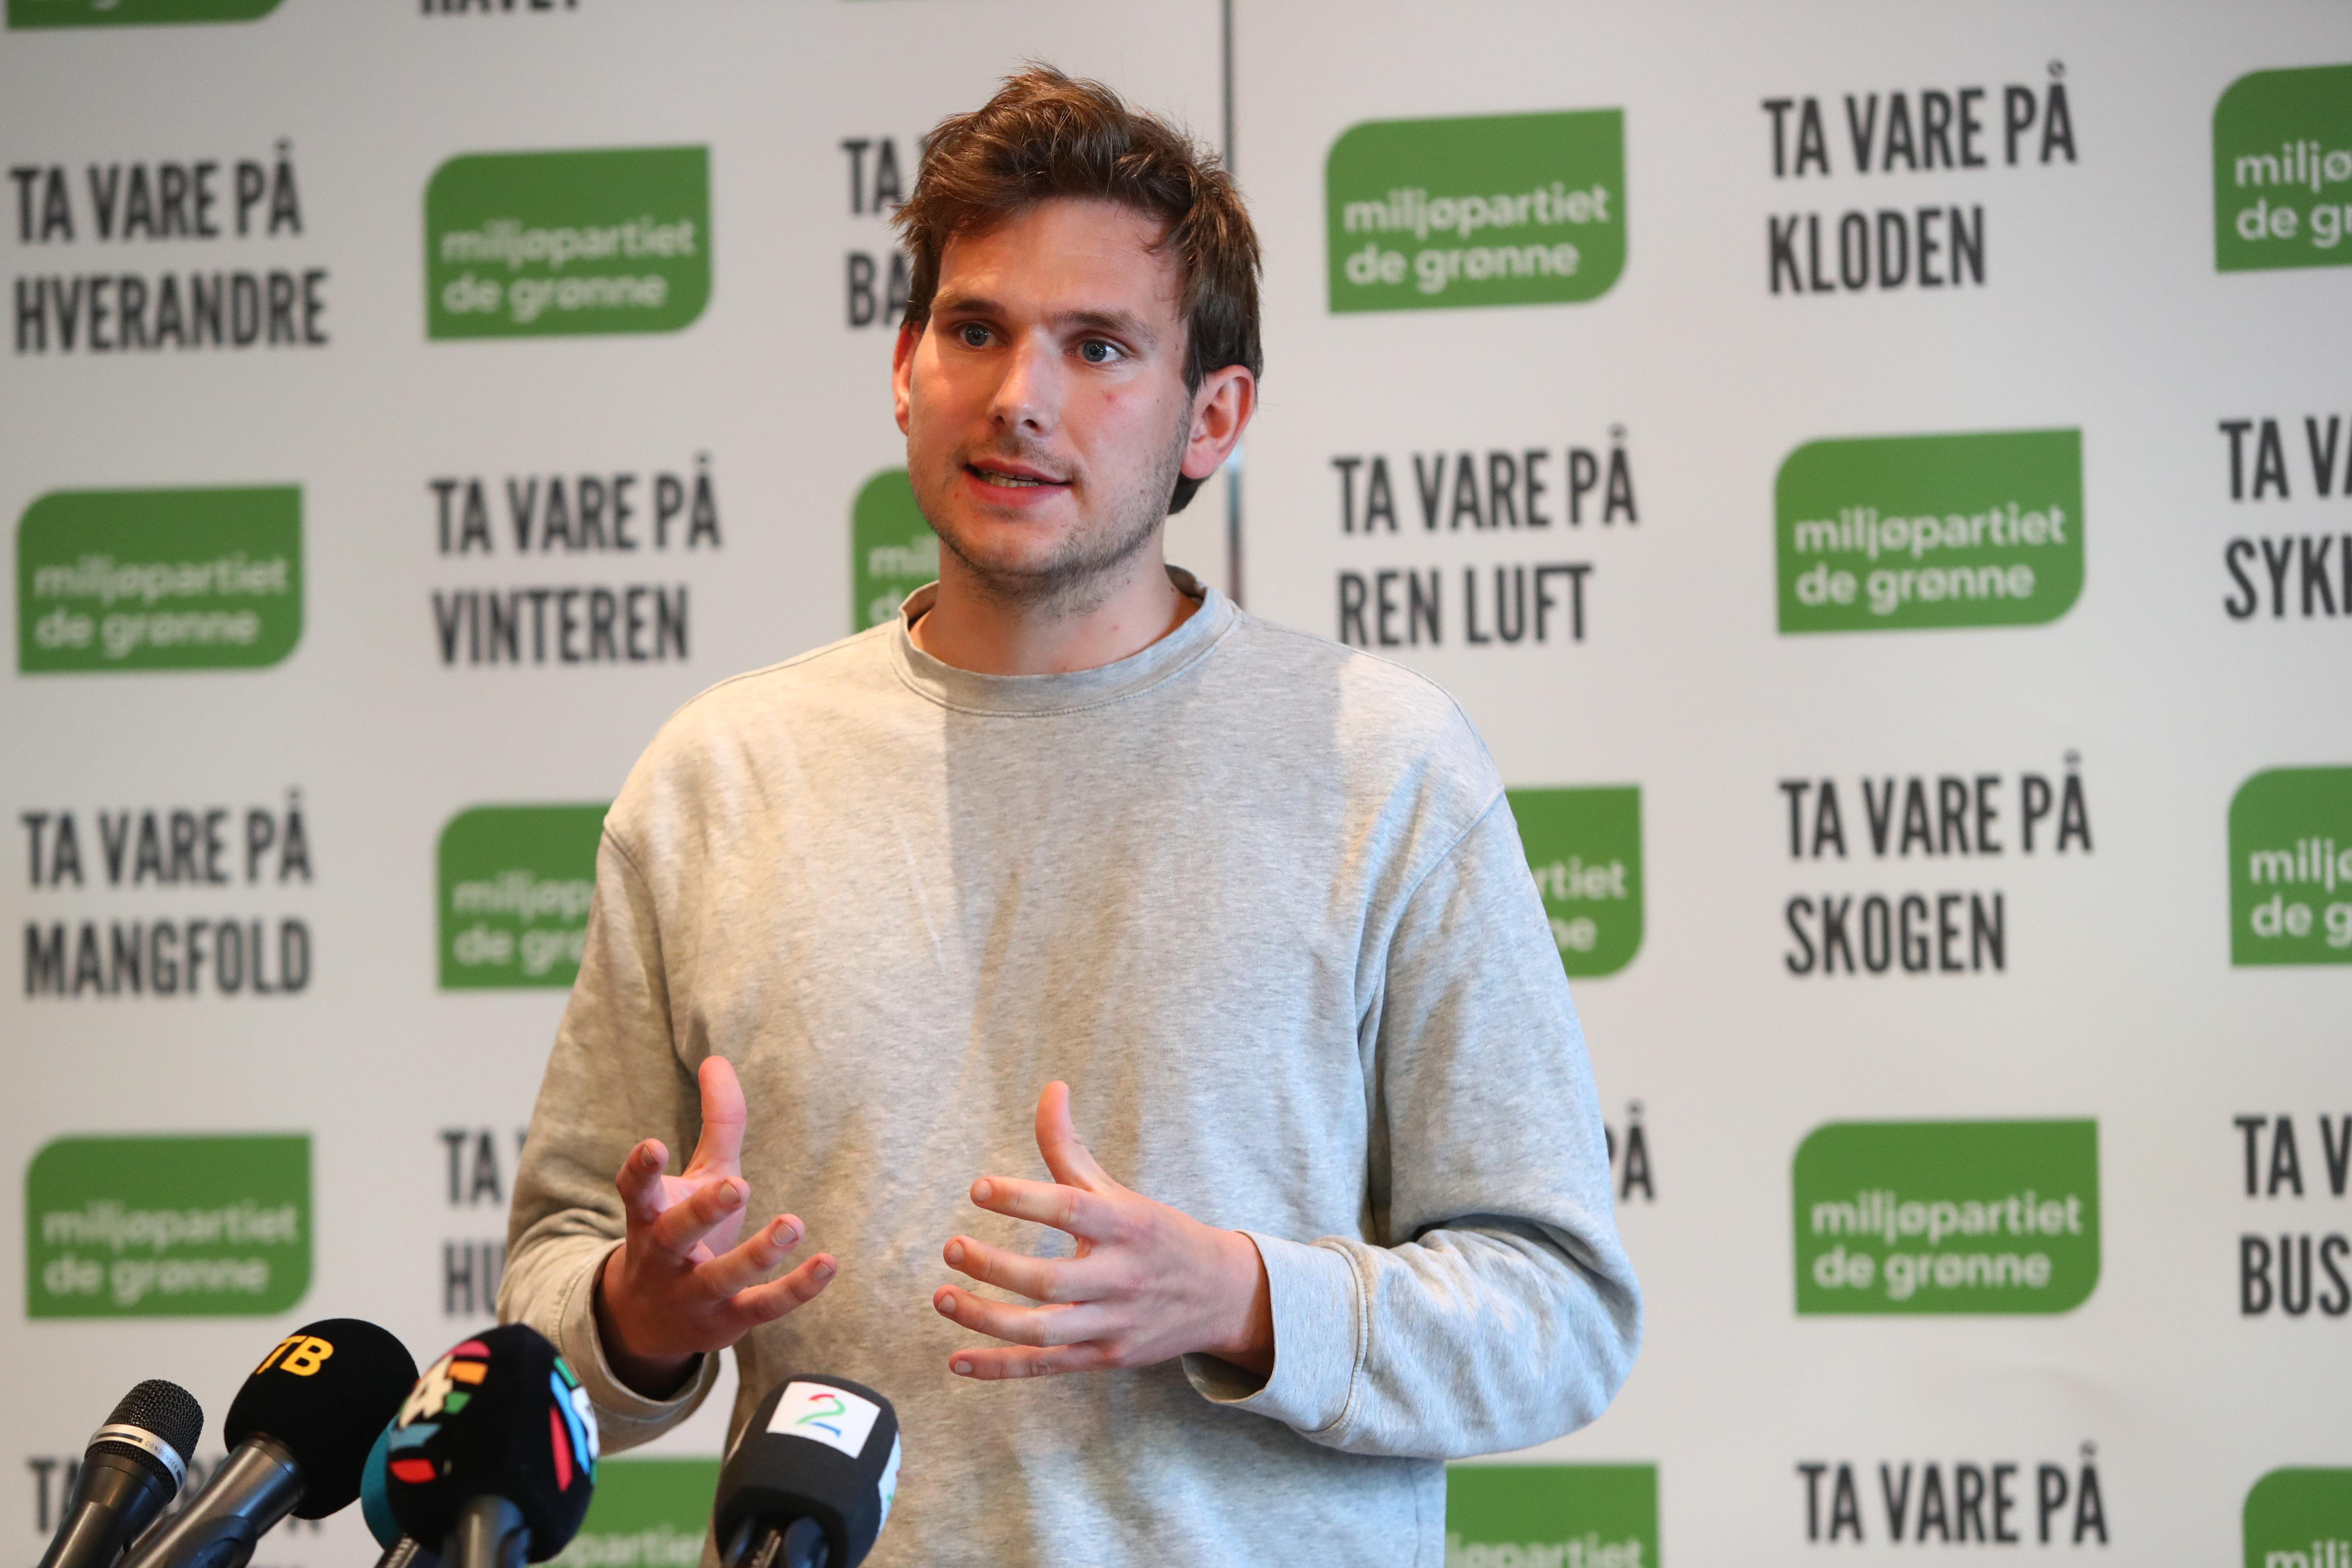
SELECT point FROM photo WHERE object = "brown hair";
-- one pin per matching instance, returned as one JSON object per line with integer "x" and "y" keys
{"x": 1045, "y": 135}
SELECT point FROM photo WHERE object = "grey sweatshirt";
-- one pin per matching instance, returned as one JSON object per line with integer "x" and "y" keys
{"x": 1259, "y": 900}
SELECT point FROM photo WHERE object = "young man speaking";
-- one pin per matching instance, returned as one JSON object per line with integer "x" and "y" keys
{"x": 1074, "y": 842}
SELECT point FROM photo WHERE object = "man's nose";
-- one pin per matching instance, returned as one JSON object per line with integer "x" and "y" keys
{"x": 1029, "y": 397}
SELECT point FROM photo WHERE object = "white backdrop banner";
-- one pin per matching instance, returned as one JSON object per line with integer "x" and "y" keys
{"x": 1880, "y": 481}
{"x": 1860, "y": 471}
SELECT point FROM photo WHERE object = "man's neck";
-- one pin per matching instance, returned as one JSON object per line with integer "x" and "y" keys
{"x": 970, "y": 629}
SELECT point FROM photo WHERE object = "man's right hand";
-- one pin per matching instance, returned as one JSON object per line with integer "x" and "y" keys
{"x": 668, "y": 1292}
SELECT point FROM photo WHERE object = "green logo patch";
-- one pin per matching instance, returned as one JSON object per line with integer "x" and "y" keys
{"x": 1899, "y": 532}
{"x": 1946, "y": 1217}
{"x": 2290, "y": 868}
{"x": 1551, "y": 1516}
{"x": 131, "y": 13}
{"x": 647, "y": 1513}
{"x": 1491, "y": 209}
{"x": 515, "y": 883}
{"x": 167, "y": 1227}
{"x": 2300, "y": 1518}
{"x": 522, "y": 245}
{"x": 2282, "y": 170}
{"x": 1584, "y": 846}
{"x": 159, "y": 579}
{"x": 892, "y": 551}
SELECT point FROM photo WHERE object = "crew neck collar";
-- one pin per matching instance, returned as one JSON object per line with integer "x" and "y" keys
{"x": 969, "y": 691}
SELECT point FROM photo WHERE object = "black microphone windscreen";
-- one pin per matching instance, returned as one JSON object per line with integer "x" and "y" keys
{"x": 164, "y": 1409}
{"x": 502, "y": 1415}
{"x": 324, "y": 1393}
{"x": 816, "y": 1447}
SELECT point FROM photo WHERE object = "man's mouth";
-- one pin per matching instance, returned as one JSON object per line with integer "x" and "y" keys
{"x": 1008, "y": 477}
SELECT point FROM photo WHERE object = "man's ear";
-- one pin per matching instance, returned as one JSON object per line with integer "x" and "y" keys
{"x": 902, "y": 370}
{"x": 1221, "y": 412}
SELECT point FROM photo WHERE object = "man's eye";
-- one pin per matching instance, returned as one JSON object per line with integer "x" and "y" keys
{"x": 1094, "y": 350}
{"x": 973, "y": 334}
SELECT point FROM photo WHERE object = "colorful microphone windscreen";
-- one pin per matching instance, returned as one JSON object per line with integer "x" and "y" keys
{"x": 324, "y": 1392}
{"x": 375, "y": 1500}
{"x": 502, "y": 1415}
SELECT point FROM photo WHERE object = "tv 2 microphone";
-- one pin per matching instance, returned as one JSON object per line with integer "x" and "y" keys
{"x": 492, "y": 1458}
{"x": 298, "y": 1433}
{"x": 811, "y": 1478}
{"x": 135, "y": 1465}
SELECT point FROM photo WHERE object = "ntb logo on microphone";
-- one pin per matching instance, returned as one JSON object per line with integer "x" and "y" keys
{"x": 297, "y": 1355}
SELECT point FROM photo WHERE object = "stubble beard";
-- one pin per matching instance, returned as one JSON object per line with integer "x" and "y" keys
{"x": 1092, "y": 562}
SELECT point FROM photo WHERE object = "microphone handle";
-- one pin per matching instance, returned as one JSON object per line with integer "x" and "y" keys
{"x": 114, "y": 1498}
{"x": 257, "y": 1485}
{"x": 488, "y": 1533}
{"x": 799, "y": 1544}
{"x": 408, "y": 1552}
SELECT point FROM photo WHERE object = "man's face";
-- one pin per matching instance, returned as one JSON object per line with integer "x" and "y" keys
{"x": 1045, "y": 405}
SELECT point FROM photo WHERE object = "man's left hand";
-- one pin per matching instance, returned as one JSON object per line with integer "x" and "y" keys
{"x": 1149, "y": 1282}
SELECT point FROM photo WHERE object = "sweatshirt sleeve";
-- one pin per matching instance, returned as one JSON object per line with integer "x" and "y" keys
{"x": 1502, "y": 1311}
{"x": 615, "y": 1077}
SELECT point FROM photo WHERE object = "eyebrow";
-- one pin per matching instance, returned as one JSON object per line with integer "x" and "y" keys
{"x": 1120, "y": 323}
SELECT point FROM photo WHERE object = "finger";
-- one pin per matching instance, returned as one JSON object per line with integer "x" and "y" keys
{"x": 1039, "y": 1278}
{"x": 1071, "y": 1161}
{"x": 720, "y": 1147}
{"x": 640, "y": 1181}
{"x": 1020, "y": 1325}
{"x": 990, "y": 1365}
{"x": 752, "y": 1261}
{"x": 1081, "y": 1212}
{"x": 766, "y": 1303}
{"x": 683, "y": 1224}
